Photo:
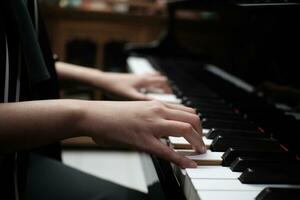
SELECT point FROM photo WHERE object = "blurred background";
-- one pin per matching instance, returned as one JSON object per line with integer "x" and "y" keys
{"x": 93, "y": 33}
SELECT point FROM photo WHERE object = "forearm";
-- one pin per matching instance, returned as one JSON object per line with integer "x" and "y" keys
{"x": 139, "y": 124}
{"x": 31, "y": 124}
{"x": 89, "y": 76}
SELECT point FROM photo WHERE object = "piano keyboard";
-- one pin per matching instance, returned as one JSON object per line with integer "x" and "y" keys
{"x": 242, "y": 162}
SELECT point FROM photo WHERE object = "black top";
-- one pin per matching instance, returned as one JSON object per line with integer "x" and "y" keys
{"x": 26, "y": 73}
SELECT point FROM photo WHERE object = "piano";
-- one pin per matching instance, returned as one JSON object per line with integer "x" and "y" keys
{"x": 251, "y": 133}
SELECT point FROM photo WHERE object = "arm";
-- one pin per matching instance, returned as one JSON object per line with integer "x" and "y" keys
{"x": 120, "y": 85}
{"x": 134, "y": 124}
{"x": 31, "y": 124}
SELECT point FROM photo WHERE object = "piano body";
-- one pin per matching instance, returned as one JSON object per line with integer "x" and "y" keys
{"x": 247, "y": 104}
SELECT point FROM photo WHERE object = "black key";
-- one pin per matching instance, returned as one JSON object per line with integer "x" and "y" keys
{"x": 240, "y": 164}
{"x": 223, "y": 124}
{"x": 209, "y": 106}
{"x": 270, "y": 176}
{"x": 199, "y": 103}
{"x": 214, "y": 110}
{"x": 234, "y": 133}
{"x": 203, "y": 98}
{"x": 221, "y": 116}
{"x": 235, "y": 119}
{"x": 221, "y": 144}
{"x": 206, "y": 110}
{"x": 212, "y": 102}
{"x": 200, "y": 94}
{"x": 231, "y": 154}
{"x": 279, "y": 194}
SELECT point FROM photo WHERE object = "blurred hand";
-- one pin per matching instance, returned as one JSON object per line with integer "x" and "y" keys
{"x": 129, "y": 86}
{"x": 141, "y": 124}
{"x": 119, "y": 85}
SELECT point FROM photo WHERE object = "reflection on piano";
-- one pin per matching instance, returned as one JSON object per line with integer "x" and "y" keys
{"x": 253, "y": 141}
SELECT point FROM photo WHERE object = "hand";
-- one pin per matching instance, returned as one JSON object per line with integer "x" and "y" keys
{"x": 120, "y": 85}
{"x": 141, "y": 124}
{"x": 128, "y": 86}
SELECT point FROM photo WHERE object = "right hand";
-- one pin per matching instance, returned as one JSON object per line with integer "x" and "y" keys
{"x": 140, "y": 124}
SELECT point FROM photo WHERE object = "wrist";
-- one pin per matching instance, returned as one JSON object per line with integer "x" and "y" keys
{"x": 100, "y": 79}
{"x": 85, "y": 120}
{"x": 75, "y": 113}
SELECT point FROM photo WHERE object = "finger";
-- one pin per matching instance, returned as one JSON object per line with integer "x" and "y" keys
{"x": 177, "y": 129}
{"x": 158, "y": 81}
{"x": 167, "y": 153}
{"x": 190, "y": 118}
{"x": 136, "y": 95}
{"x": 156, "y": 73}
{"x": 163, "y": 87}
{"x": 180, "y": 107}
{"x": 155, "y": 80}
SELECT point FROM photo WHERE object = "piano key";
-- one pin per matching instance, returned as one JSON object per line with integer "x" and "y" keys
{"x": 242, "y": 163}
{"x": 231, "y": 154}
{"x": 232, "y": 195}
{"x": 182, "y": 143}
{"x": 214, "y": 110}
{"x": 169, "y": 98}
{"x": 139, "y": 65}
{"x": 234, "y": 133}
{"x": 233, "y": 118}
{"x": 221, "y": 143}
{"x": 206, "y": 112}
{"x": 271, "y": 176}
{"x": 205, "y": 131}
{"x": 211, "y": 101}
{"x": 198, "y": 93}
{"x": 212, "y": 172}
{"x": 226, "y": 124}
{"x": 208, "y": 158}
{"x": 211, "y": 106}
{"x": 197, "y": 186}
{"x": 230, "y": 78}
{"x": 233, "y": 185}
{"x": 221, "y": 116}
{"x": 199, "y": 101}
{"x": 278, "y": 194}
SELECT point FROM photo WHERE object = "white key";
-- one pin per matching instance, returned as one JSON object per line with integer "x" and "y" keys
{"x": 182, "y": 143}
{"x": 212, "y": 172}
{"x": 206, "y": 172}
{"x": 230, "y": 195}
{"x": 208, "y": 188}
{"x": 208, "y": 158}
{"x": 205, "y": 131}
{"x": 168, "y": 98}
{"x": 232, "y": 185}
{"x": 139, "y": 66}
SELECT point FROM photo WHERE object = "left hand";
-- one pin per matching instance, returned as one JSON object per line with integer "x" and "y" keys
{"x": 129, "y": 86}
